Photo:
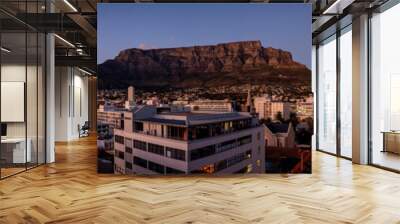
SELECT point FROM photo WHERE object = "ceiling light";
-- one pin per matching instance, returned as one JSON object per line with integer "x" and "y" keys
{"x": 331, "y": 7}
{"x": 84, "y": 71}
{"x": 70, "y": 5}
{"x": 5, "y": 50}
{"x": 64, "y": 40}
{"x": 337, "y": 7}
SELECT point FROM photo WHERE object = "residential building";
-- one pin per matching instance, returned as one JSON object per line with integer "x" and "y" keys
{"x": 191, "y": 142}
{"x": 266, "y": 108}
{"x": 211, "y": 105}
{"x": 131, "y": 102}
{"x": 305, "y": 108}
{"x": 112, "y": 117}
{"x": 279, "y": 135}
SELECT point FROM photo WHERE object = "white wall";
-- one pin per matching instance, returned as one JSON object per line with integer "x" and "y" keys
{"x": 33, "y": 126}
{"x": 71, "y": 102}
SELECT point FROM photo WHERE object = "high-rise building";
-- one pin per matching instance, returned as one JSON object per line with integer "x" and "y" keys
{"x": 305, "y": 107}
{"x": 131, "y": 102}
{"x": 191, "y": 142}
{"x": 266, "y": 108}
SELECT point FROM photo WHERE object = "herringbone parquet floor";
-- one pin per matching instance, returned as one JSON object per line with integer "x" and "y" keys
{"x": 70, "y": 191}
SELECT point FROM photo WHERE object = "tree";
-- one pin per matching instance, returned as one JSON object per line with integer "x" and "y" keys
{"x": 293, "y": 119}
{"x": 279, "y": 117}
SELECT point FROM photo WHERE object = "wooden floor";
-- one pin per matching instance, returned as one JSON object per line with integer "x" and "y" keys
{"x": 70, "y": 191}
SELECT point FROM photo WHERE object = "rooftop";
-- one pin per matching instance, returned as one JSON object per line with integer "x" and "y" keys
{"x": 194, "y": 118}
{"x": 278, "y": 127}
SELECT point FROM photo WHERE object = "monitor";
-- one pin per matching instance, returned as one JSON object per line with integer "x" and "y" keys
{"x": 3, "y": 130}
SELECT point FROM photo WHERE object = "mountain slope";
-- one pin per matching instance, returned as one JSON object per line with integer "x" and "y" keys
{"x": 233, "y": 63}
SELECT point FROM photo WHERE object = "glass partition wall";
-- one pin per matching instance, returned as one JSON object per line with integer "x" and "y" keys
{"x": 385, "y": 89}
{"x": 334, "y": 94}
{"x": 22, "y": 98}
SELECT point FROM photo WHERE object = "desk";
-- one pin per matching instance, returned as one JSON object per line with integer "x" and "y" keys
{"x": 13, "y": 150}
{"x": 391, "y": 141}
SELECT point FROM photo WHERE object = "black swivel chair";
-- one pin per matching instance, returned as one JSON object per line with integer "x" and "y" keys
{"x": 84, "y": 130}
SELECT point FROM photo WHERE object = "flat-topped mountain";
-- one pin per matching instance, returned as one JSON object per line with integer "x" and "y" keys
{"x": 201, "y": 66}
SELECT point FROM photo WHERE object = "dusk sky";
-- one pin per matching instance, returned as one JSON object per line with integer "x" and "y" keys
{"x": 146, "y": 26}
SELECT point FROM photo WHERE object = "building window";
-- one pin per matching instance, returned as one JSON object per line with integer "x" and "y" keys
{"x": 140, "y": 145}
{"x": 227, "y": 145}
{"x": 156, "y": 149}
{"x": 156, "y": 167}
{"x": 176, "y": 132}
{"x": 175, "y": 154}
{"x": 326, "y": 97}
{"x": 119, "y": 139}
{"x": 202, "y": 152}
{"x": 128, "y": 165}
{"x": 246, "y": 169}
{"x": 223, "y": 164}
{"x": 128, "y": 150}
{"x": 120, "y": 154}
{"x": 138, "y": 126}
{"x": 218, "y": 148}
{"x": 140, "y": 162}
{"x": 170, "y": 170}
{"x": 245, "y": 140}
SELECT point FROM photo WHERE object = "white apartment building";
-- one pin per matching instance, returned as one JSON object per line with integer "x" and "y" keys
{"x": 267, "y": 108}
{"x": 112, "y": 117}
{"x": 305, "y": 107}
{"x": 115, "y": 118}
{"x": 280, "y": 135}
{"x": 190, "y": 142}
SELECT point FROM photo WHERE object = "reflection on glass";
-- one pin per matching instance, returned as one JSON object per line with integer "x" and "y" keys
{"x": 14, "y": 153}
{"x": 385, "y": 84}
{"x": 22, "y": 91}
{"x": 346, "y": 94}
{"x": 31, "y": 97}
{"x": 327, "y": 96}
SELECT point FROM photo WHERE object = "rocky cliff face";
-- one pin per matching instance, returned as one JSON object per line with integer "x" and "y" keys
{"x": 197, "y": 65}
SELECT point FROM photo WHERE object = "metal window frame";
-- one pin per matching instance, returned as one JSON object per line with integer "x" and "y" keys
{"x": 338, "y": 33}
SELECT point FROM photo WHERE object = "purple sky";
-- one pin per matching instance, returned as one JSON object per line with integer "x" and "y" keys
{"x": 122, "y": 26}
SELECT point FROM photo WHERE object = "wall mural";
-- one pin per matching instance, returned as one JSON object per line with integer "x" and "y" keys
{"x": 204, "y": 88}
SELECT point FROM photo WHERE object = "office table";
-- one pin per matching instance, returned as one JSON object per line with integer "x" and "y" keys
{"x": 391, "y": 141}
{"x": 13, "y": 150}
